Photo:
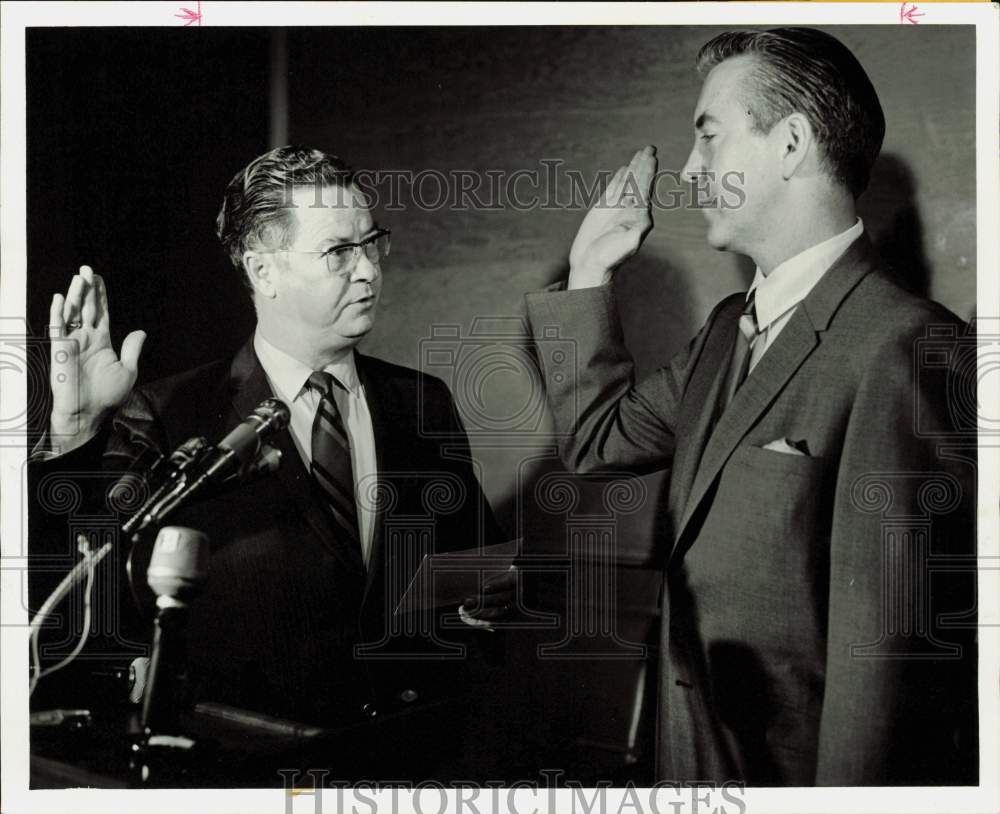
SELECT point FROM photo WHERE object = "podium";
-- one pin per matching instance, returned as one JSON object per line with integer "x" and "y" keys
{"x": 238, "y": 748}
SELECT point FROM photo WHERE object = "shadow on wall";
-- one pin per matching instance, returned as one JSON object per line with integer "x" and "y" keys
{"x": 891, "y": 216}
{"x": 654, "y": 304}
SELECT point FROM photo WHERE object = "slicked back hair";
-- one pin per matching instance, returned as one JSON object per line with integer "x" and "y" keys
{"x": 803, "y": 70}
{"x": 256, "y": 209}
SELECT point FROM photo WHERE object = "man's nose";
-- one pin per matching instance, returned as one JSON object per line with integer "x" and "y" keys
{"x": 365, "y": 271}
{"x": 694, "y": 166}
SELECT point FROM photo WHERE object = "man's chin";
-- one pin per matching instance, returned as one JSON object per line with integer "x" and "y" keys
{"x": 716, "y": 237}
{"x": 359, "y": 327}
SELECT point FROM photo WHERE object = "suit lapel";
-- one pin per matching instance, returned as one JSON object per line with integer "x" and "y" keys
{"x": 379, "y": 401}
{"x": 793, "y": 346}
{"x": 782, "y": 359}
{"x": 249, "y": 387}
{"x": 694, "y": 419}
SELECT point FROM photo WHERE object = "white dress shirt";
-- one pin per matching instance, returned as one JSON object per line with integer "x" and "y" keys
{"x": 287, "y": 377}
{"x": 778, "y": 293}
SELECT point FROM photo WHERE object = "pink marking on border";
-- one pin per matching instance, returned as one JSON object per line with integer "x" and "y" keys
{"x": 908, "y": 13}
{"x": 191, "y": 16}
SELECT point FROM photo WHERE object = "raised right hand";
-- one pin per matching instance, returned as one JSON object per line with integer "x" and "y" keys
{"x": 615, "y": 227}
{"x": 88, "y": 379}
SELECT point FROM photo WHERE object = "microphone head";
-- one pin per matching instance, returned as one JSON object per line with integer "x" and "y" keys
{"x": 145, "y": 473}
{"x": 269, "y": 460}
{"x": 178, "y": 565}
{"x": 189, "y": 451}
{"x": 244, "y": 442}
{"x": 275, "y": 412}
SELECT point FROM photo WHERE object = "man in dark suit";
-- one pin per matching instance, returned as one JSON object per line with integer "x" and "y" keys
{"x": 296, "y": 619}
{"x": 802, "y": 638}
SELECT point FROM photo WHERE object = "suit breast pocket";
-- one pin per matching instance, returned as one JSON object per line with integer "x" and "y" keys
{"x": 771, "y": 496}
{"x": 759, "y": 556}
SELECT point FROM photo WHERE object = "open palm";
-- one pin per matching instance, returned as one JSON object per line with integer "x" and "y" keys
{"x": 616, "y": 225}
{"x": 88, "y": 379}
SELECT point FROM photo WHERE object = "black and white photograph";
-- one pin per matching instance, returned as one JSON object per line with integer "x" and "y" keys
{"x": 500, "y": 407}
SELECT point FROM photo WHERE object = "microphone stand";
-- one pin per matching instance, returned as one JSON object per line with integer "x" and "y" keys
{"x": 159, "y": 710}
{"x": 160, "y": 755}
{"x": 178, "y": 568}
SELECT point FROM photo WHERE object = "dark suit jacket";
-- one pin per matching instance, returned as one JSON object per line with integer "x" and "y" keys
{"x": 286, "y": 604}
{"x": 799, "y": 641}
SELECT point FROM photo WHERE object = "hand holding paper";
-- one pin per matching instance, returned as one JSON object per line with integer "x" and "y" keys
{"x": 454, "y": 578}
{"x": 496, "y": 600}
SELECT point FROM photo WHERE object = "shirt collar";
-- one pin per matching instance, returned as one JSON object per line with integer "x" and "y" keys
{"x": 789, "y": 283}
{"x": 288, "y": 375}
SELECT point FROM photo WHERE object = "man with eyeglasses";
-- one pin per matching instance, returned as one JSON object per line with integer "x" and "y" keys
{"x": 308, "y": 565}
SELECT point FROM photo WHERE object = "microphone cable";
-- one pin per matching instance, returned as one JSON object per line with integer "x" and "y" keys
{"x": 87, "y": 566}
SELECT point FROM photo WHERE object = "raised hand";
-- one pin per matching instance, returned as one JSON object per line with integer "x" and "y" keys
{"x": 88, "y": 379}
{"x": 615, "y": 227}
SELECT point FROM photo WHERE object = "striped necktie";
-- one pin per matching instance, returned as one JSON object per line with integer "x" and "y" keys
{"x": 331, "y": 459}
{"x": 739, "y": 362}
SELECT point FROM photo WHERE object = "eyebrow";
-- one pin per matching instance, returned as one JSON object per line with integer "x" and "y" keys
{"x": 340, "y": 241}
{"x": 704, "y": 119}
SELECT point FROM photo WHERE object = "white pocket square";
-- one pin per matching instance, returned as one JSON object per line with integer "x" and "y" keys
{"x": 786, "y": 446}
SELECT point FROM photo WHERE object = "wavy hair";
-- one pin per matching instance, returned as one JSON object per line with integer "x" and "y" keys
{"x": 255, "y": 209}
{"x": 802, "y": 70}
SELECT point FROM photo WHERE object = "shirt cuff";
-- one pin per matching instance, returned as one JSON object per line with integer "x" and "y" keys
{"x": 42, "y": 451}
{"x": 471, "y": 621}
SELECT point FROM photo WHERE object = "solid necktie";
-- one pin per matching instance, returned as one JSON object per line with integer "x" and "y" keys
{"x": 331, "y": 459}
{"x": 739, "y": 362}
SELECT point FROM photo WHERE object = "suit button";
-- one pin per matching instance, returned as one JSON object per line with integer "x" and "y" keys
{"x": 369, "y": 711}
{"x": 408, "y": 696}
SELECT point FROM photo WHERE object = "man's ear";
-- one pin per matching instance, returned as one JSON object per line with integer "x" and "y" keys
{"x": 796, "y": 142}
{"x": 260, "y": 271}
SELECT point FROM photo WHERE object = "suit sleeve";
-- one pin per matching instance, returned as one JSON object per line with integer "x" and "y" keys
{"x": 604, "y": 420}
{"x": 130, "y": 437}
{"x": 897, "y": 690}
{"x": 136, "y": 434}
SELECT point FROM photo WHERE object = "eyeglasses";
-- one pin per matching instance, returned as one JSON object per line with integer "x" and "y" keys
{"x": 342, "y": 259}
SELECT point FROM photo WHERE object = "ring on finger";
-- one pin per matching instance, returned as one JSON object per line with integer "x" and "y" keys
{"x": 74, "y": 325}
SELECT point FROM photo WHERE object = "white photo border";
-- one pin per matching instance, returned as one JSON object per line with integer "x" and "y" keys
{"x": 15, "y": 17}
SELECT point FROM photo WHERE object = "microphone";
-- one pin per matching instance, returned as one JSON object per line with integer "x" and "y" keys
{"x": 268, "y": 461}
{"x": 177, "y": 570}
{"x": 242, "y": 445}
{"x": 166, "y": 471}
{"x": 238, "y": 455}
{"x": 146, "y": 469}
{"x": 178, "y": 566}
